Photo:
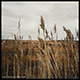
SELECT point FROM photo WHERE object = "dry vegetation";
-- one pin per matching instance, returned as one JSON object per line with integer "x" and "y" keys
{"x": 48, "y": 62}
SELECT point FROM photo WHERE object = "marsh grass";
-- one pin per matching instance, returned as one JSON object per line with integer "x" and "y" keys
{"x": 55, "y": 59}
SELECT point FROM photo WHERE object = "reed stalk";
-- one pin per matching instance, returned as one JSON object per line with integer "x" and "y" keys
{"x": 14, "y": 67}
{"x": 7, "y": 67}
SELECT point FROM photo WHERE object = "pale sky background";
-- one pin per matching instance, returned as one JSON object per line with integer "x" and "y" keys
{"x": 59, "y": 13}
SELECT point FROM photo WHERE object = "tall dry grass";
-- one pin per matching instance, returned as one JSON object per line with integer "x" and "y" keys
{"x": 54, "y": 59}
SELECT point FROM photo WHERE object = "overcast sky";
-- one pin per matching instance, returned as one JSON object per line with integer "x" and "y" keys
{"x": 59, "y": 13}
